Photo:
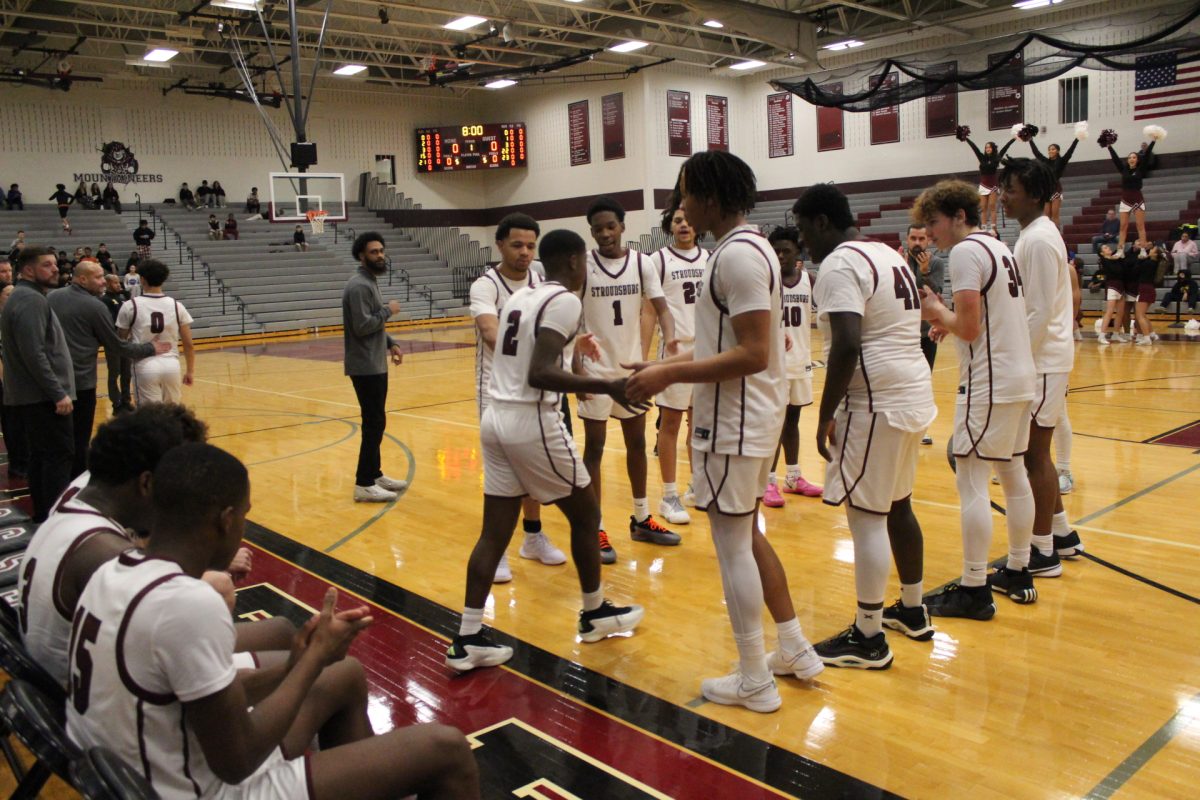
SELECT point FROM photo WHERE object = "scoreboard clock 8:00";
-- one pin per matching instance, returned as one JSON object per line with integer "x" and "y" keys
{"x": 457, "y": 148}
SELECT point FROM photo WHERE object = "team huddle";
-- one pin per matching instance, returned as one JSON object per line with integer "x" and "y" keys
{"x": 734, "y": 356}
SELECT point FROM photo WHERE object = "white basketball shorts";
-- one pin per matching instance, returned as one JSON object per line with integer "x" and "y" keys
{"x": 732, "y": 485}
{"x": 993, "y": 432}
{"x": 874, "y": 463}
{"x": 527, "y": 451}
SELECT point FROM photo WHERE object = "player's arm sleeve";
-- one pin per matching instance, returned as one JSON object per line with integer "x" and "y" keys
{"x": 562, "y": 314}
{"x": 651, "y": 285}
{"x": 193, "y": 643}
{"x": 484, "y": 297}
{"x": 744, "y": 282}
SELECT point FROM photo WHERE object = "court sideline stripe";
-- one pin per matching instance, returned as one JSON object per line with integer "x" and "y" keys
{"x": 1180, "y": 721}
{"x": 1148, "y": 581}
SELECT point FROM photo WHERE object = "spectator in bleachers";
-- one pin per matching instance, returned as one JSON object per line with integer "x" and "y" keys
{"x": 13, "y": 198}
{"x": 111, "y": 197}
{"x": 252, "y": 204}
{"x": 142, "y": 237}
{"x": 105, "y": 259}
{"x": 81, "y": 196}
{"x": 218, "y": 194}
{"x": 131, "y": 261}
{"x": 20, "y": 240}
{"x": 1185, "y": 290}
{"x": 1147, "y": 267}
{"x": 132, "y": 280}
{"x": 298, "y": 239}
{"x": 1110, "y": 229}
{"x": 1185, "y": 253}
{"x": 214, "y": 227}
{"x": 119, "y": 371}
{"x": 63, "y": 201}
{"x": 204, "y": 194}
{"x": 186, "y": 198}
{"x": 231, "y": 228}
{"x": 39, "y": 379}
{"x": 97, "y": 196}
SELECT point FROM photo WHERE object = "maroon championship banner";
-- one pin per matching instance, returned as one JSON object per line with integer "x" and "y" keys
{"x": 612, "y": 117}
{"x": 679, "y": 123}
{"x": 830, "y": 135}
{"x": 941, "y": 107}
{"x": 779, "y": 124}
{"x": 1006, "y": 104}
{"x": 579, "y": 133}
{"x": 885, "y": 121}
{"x": 716, "y": 111}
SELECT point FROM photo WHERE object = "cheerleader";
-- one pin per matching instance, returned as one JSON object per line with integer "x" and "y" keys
{"x": 1057, "y": 162}
{"x": 989, "y": 164}
{"x": 1133, "y": 170}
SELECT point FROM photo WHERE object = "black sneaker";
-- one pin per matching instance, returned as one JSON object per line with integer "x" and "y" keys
{"x": 607, "y": 620}
{"x": 1068, "y": 546}
{"x": 1013, "y": 584}
{"x": 651, "y": 530}
{"x": 607, "y": 554}
{"x": 912, "y": 621}
{"x": 1044, "y": 566}
{"x": 956, "y": 600}
{"x": 477, "y": 650}
{"x": 851, "y": 648}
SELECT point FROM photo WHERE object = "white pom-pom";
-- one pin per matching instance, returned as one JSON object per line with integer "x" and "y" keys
{"x": 1154, "y": 132}
{"x": 1081, "y": 130}
{"x": 1016, "y": 129}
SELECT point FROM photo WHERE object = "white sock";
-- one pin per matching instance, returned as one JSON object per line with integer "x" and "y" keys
{"x": 670, "y": 490}
{"x": 593, "y": 600}
{"x": 870, "y": 622}
{"x": 1044, "y": 543}
{"x": 602, "y": 524}
{"x": 472, "y": 622}
{"x": 752, "y": 655}
{"x": 793, "y": 471}
{"x": 771, "y": 479}
{"x": 791, "y": 637}
{"x": 1018, "y": 499}
{"x": 911, "y": 594}
{"x": 641, "y": 509}
{"x": 976, "y": 513}
{"x": 1059, "y": 525}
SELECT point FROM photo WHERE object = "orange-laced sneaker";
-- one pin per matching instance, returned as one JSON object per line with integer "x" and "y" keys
{"x": 651, "y": 530}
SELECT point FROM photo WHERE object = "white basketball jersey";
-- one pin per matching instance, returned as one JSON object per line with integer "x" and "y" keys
{"x": 741, "y": 416}
{"x": 998, "y": 366}
{"x": 612, "y": 308}
{"x": 1042, "y": 258}
{"x": 681, "y": 274}
{"x": 154, "y": 318}
{"x": 145, "y": 639}
{"x": 547, "y": 305}
{"x": 797, "y": 312}
{"x": 488, "y": 293}
{"x": 45, "y": 618}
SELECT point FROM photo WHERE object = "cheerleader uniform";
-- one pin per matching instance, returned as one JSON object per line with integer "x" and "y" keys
{"x": 988, "y": 167}
{"x": 1131, "y": 179}
{"x": 1057, "y": 165}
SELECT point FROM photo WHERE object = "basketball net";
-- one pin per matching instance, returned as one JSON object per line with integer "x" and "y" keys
{"x": 316, "y": 220}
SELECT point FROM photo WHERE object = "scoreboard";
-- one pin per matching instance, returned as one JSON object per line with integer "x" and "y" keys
{"x": 494, "y": 145}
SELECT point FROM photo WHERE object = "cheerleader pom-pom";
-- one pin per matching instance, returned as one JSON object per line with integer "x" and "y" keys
{"x": 1027, "y": 132}
{"x": 1155, "y": 133}
{"x": 1016, "y": 129}
{"x": 962, "y": 132}
{"x": 1081, "y": 130}
{"x": 1107, "y": 138}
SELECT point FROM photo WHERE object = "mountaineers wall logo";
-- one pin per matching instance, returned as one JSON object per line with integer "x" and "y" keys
{"x": 117, "y": 164}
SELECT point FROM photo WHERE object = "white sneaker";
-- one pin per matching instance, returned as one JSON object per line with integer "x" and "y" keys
{"x": 391, "y": 484}
{"x": 537, "y": 547}
{"x": 689, "y": 497}
{"x": 1065, "y": 483}
{"x": 804, "y": 665}
{"x": 1078, "y": 335}
{"x": 1144, "y": 340}
{"x": 373, "y": 494}
{"x": 735, "y": 690}
{"x": 673, "y": 511}
{"x": 1103, "y": 340}
{"x": 503, "y": 572}
{"x": 1122, "y": 337}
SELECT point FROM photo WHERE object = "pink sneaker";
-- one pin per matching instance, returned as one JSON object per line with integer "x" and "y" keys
{"x": 801, "y": 486}
{"x": 771, "y": 497}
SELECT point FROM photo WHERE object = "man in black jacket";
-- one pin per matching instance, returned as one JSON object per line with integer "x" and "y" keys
{"x": 120, "y": 369}
{"x": 142, "y": 237}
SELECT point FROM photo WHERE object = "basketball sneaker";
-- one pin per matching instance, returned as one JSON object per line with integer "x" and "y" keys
{"x": 651, "y": 530}
{"x": 956, "y": 600}
{"x": 1103, "y": 339}
{"x": 736, "y": 689}
{"x": 851, "y": 648}
{"x": 689, "y": 497}
{"x": 804, "y": 664}
{"x": 912, "y": 621}
{"x": 673, "y": 511}
{"x": 477, "y": 650}
{"x": 373, "y": 494}
{"x": 608, "y": 620}
{"x": 771, "y": 497}
{"x": 800, "y": 486}
{"x": 1066, "y": 482}
{"x": 1016, "y": 585}
{"x": 391, "y": 484}
{"x": 1068, "y": 546}
{"x": 927, "y": 440}
{"x": 607, "y": 554}
{"x": 503, "y": 572}
{"x": 1044, "y": 566}
{"x": 537, "y": 547}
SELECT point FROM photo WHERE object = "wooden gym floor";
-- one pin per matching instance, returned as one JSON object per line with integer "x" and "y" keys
{"x": 1094, "y": 691}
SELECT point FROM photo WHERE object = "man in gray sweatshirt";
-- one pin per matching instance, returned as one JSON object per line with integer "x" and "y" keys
{"x": 368, "y": 346}
{"x": 88, "y": 326}
{"x": 39, "y": 381}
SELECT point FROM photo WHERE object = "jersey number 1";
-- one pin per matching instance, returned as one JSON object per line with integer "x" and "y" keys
{"x": 617, "y": 319}
{"x": 906, "y": 288}
{"x": 509, "y": 347}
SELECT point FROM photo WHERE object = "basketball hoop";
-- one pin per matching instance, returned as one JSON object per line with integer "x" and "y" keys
{"x": 316, "y": 220}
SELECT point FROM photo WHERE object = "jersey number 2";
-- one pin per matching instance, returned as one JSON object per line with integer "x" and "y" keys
{"x": 158, "y": 322}
{"x": 87, "y": 628}
{"x": 509, "y": 347}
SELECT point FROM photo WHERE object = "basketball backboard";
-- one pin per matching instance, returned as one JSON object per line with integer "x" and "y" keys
{"x": 294, "y": 194}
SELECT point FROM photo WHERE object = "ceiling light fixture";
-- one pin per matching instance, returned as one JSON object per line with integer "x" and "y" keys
{"x": 628, "y": 47}
{"x": 237, "y": 5}
{"x": 160, "y": 54}
{"x": 1029, "y": 5}
{"x": 349, "y": 69}
{"x": 713, "y": 23}
{"x": 141, "y": 62}
{"x": 502, "y": 83}
{"x": 464, "y": 23}
{"x": 846, "y": 45}
{"x": 751, "y": 64}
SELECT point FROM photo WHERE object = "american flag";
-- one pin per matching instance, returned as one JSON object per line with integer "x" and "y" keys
{"x": 1165, "y": 89}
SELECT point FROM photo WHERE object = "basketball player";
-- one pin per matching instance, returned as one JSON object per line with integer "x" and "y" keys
{"x": 152, "y": 673}
{"x": 516, "y": 239}
{"x": 527, "y": 451}
{"x": 618, "y": 280}
{"x": 680, "y": 267}
{"x": 991, "y": 419}
{"x": 876, "y": 405}
{"x": 797, "y": 306}
{"x": 1041, "y": 254}
{"x": 740, "y": 390}
{"x": 155, "y": 317}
